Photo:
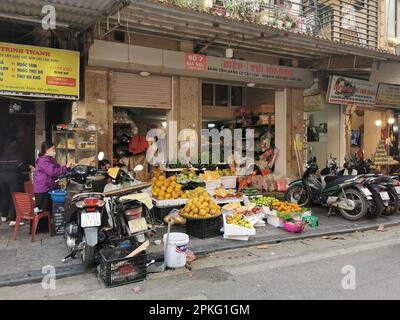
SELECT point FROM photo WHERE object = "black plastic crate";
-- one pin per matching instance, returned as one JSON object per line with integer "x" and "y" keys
{"x": 161, "y": 212}
{"x": 117, "y": 270}
{"x": 204, "y": 228}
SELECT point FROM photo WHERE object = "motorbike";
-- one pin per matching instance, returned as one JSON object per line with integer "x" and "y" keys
{"x": 129, "y": 216}
{"x": 385, "y": 189}
{"x": 85, "y": 215}
{"x": 343, "y": 193}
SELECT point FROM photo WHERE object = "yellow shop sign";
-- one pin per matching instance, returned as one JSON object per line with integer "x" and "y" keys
{"x": 38, "y": 72}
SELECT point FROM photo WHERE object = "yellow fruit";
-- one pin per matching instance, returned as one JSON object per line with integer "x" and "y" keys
{"x": 173, "y": 178}
{"x": 154, "y": 179}
{"x": 160, "y": 197}
{"x": 202, "y": 213}
{"x": 174, "y": 195}
{"x": 163, "y": 188}
{"x": 178, "y": 187}
{"x": 196, "y": 210}
{"x": 170, "y": 190}
{"x": 159, "y": 183}
{"x": 168, "y": 196}
{"x": 161, "y": 178}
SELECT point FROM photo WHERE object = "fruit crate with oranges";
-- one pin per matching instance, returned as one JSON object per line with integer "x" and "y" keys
{"x": 166, "y": 188}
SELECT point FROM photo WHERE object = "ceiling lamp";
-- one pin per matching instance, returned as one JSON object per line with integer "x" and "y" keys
{"x": 378, "y": 123}
{"x": 145, "y": 74}
{"x": 391, "y": 121}
{"x": 251, "y": 85}
{"x": 229, "y": 53}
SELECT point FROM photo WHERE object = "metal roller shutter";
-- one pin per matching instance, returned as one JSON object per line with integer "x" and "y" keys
{"x": 133, "y": 90}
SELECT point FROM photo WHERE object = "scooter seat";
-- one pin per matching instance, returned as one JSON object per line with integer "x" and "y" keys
{"x": 337, "y": 179}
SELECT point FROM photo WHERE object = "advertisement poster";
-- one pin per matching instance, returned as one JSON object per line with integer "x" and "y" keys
{"x": 388, "y": 95}
{"x": 350, "y": 91}
{"x": 314, "y": 103}
{"x": 38, "y": 72}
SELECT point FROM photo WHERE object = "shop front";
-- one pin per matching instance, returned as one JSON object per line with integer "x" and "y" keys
{"x": 201, "y": 92}
{"x": 31, "y": 91}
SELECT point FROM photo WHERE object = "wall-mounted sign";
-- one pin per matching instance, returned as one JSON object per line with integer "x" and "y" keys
{"x": 388, "y": 95}
{"x": 350, "y": 91}
{"x": 195, "y": 62}
{"x": 38, "y": 72}
{"x": 314, "y": 103}
{"x": 160, "y": 61}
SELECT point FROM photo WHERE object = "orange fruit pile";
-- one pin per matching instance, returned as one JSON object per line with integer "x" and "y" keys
{"x": 286, "y": 207}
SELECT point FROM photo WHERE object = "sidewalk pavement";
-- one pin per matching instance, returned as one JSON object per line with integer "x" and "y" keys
{"x": 22, "y": 261}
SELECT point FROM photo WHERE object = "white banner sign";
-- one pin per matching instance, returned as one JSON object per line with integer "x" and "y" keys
{"x": 350, "y": 91}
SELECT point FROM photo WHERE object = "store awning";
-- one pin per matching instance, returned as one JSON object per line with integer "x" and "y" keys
{"x": 73, "y": 14}
{"x": 157, "y": 19}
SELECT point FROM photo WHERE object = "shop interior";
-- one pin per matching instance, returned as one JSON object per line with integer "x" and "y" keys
{"x": 24, "y": 115}
{"x": 130, "y": 122}
{"x": 235, "y": 106}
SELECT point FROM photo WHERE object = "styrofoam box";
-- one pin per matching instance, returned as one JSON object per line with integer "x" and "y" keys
{"x": 233, "y": 230}
{"x": 274, "y": 221}
{"x": 226, "y": 201}
{"x": 169, "y": 203}
{"x": 272, "y": 218}
{"x": 229, "y": 182}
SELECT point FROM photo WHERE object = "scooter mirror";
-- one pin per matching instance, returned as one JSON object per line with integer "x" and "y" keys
{"x": 138, "y": 168}
{"x": 100, "y": 156}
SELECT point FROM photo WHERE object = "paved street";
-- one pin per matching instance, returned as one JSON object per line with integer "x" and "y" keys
{"x": 303, "y": 269}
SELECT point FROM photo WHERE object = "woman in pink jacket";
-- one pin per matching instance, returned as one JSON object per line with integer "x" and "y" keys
{"x": 47, "y": 172}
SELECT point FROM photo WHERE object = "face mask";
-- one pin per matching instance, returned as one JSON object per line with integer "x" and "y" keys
{"x": 51, "y": 154}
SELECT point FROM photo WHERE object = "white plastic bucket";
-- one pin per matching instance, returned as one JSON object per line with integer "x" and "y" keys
{"x": 176, "y": 249}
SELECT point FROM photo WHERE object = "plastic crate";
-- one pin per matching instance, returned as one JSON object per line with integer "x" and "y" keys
{"x": 116, "y": 270}
{"x": 161, "y": 212}
{"x": 204, "y": 228}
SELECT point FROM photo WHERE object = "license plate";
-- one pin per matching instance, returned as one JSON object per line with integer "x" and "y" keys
{"x": 397, "y": 190}
{"x": 366, "y": 192}
{"x": 385, "y": 196}
{"x": 92, "y": 219}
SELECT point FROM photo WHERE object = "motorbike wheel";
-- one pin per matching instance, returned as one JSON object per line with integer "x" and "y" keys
{"x": 394, "y": 202}
{"x": 298, "y": 195}
{"x": 376, "y": 207}
{"x": 361, "y": 205}
{"x": 88, "y": 255}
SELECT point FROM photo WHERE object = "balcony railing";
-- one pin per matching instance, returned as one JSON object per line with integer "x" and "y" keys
{"x": 346, "y": 21}
{"x": 350, "y": 21}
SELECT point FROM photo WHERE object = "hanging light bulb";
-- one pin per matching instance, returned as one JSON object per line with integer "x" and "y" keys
{"x": 229, "y": 53}
{"x": 391, "y": 120}
{"x": 378, "y": 123}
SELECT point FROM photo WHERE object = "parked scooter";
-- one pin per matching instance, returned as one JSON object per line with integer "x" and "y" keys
{"x": 128, "y": 214}
{"x": 85, "y": 214}
{"x": 375, "y": 203}
{"x": 384, "y": 187}
{"x": 343, "y": 193}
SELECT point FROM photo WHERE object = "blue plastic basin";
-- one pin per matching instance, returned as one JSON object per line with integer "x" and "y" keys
{"x": 58, "y": 196}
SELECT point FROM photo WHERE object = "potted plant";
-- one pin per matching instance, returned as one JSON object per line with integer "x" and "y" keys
{"x": 206, "y": 5}
{"x": 232, "y": 8}
{"x": 185, "y": 3}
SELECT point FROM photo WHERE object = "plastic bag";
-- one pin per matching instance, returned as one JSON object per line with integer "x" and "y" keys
{"x": 174, "y": 218}
{"x": 271, "y": 183}
{"x": 257, "y": 182}
{"x": 281, "y": 184}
